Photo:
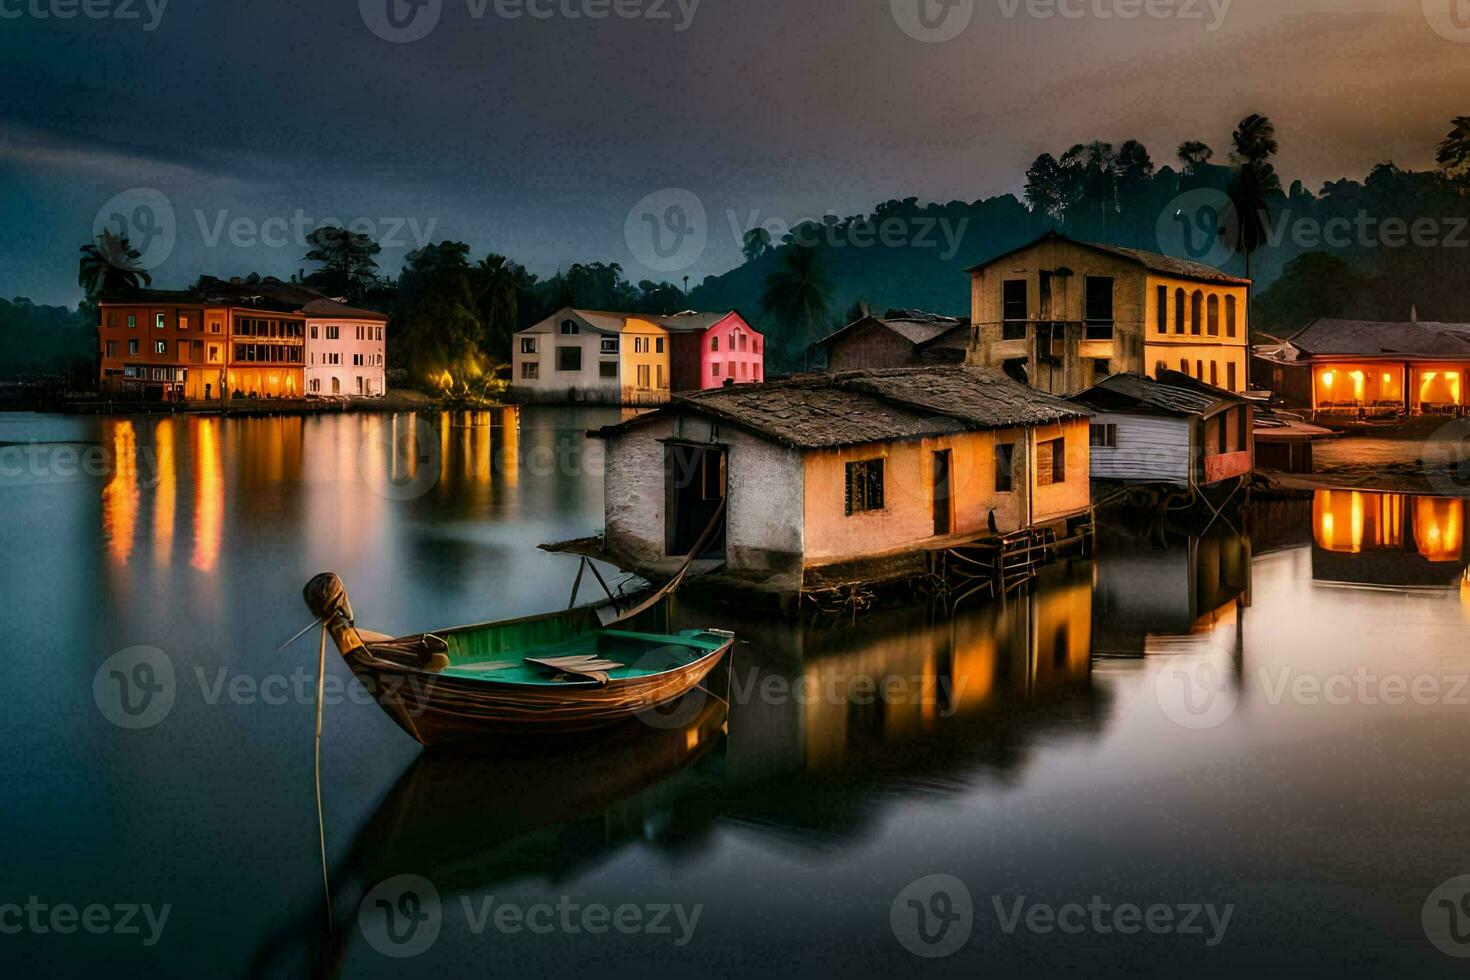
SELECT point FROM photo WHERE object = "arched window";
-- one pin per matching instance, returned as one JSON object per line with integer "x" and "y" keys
{"x": 1183, "y": 366}
{"x": 1215, "y": 373}
{"x": 1159, "y": 368}
{"x": 1230, "y": 316}
{"x": 1161, "y": 313}
{"x": 1196, "y": 311}
{"x": 1178, "y": 311}
{"x": 1214, "y": 316}
{"x": 1199, "y": 370}
{"x": 569, "y": 327}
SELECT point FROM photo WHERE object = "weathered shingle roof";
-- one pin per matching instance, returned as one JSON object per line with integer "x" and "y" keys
{"x": 1372, "y": 338}
{"x": 1154, "y": 261}
{"x": 1172, "y": 394}
{"x": 854, "y": 407}
{"x": 689, "y": 320}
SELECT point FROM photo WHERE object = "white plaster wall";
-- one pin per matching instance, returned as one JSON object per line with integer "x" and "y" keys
{"x": 764, "y": 495}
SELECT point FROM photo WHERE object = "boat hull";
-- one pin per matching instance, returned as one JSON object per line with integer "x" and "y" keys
{"x": 435, "y": 708}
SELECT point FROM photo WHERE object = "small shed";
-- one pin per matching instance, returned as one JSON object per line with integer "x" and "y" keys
{"x": 1173, "y": 430}
{"x": 901, "y": 338}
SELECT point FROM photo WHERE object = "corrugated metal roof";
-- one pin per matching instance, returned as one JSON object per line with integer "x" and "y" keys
{"x": 1172, "y": 394}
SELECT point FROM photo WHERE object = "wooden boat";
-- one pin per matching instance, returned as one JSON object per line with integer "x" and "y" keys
{"x": 557, "y": 673}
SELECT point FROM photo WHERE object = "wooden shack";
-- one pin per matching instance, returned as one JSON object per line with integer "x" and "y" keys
{"x": 1173, "y": 430}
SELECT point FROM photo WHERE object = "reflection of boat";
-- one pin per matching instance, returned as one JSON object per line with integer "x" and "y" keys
{"x": 559, "y": 672}
{"x": 467, "y": 818}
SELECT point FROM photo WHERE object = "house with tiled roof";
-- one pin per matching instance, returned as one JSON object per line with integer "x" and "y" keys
{"x": 815, "y": 480}
{"x": 1063, "y": 314}
{"x": 900, "y": 338}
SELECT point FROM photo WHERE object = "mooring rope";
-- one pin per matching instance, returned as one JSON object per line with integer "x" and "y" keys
{"x": 321, "y": 826}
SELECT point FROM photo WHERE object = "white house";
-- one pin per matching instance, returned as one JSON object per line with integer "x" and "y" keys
{"x": 571, "y": 355}
{"x": 345, "y": 350}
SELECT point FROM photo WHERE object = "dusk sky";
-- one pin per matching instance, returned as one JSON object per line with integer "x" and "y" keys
{"x": 535, "y": 137}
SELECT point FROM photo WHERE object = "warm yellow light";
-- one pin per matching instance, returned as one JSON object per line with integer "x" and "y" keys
{"x": 1328, "y": 377}
{"x": 1357, "y": 377}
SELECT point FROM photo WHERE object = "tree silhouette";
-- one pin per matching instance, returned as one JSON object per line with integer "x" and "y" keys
{"x": 796, "y": 295}
{"x": 109, "y": 266}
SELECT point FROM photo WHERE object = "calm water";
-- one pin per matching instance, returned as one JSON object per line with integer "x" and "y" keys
{"x": 1215, "y": 721}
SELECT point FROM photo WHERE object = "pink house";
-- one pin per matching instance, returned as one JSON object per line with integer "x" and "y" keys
{"x": 708, "y": 349}
{"x": 345, "y": 350}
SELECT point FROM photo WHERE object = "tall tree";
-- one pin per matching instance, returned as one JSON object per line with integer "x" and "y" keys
{"x": 755, "y": 243}
{"x": 348, "y": 267}
{"x": 497, "y": 284}
{"x": 110, "y": 265}
{"x": 1044, "y": 189}
{"x": 1193, "y": 153}
{"x": 797, "y": 295}
{"x": 1453, "y": 155}
{"x": 1249, "y": 191}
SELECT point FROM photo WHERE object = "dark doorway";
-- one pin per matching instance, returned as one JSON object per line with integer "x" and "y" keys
{"x": 942, "y": 492}
{"x": 695, "y": 489}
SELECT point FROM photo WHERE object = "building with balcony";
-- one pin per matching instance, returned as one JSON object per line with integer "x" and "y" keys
{"x": 1064, "y": 314}
{"x": 225, "y": 338}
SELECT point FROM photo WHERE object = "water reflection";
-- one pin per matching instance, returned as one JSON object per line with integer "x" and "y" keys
{"x": 1387, "y": 539}
{"x": 120, "y": 495}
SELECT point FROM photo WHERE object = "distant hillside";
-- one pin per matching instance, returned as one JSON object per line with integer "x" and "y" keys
{"x": 44, "y": 339}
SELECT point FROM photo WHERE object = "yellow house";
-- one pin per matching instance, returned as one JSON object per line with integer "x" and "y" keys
{"x": 644, "y": 362}
{"x": 1066, "y": 314}
{"x": 852, "y": 476}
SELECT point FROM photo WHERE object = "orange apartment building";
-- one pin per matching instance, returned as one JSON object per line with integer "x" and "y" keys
{"x": 222, "y": 339}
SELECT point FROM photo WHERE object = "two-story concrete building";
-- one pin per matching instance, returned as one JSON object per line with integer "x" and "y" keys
{"x": 600, "y": 356}
{"x": 345, "y": 350}
{"x": 1064, "y": 314}
{"x": 158, "y": 344}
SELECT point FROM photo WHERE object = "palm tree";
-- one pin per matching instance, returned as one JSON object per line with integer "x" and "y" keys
{"x": 1192, "y": 153}
{"x": 497, "y": 282}
{"x": 1454, "y": 152}
{"x": 1255, "y": 142}
{"x": 110, "y": 265}
{"x": 755, "y": 243}
{"x": 796, "y": 295}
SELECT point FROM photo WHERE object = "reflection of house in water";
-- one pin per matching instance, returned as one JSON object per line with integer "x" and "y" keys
{"x": 1361, "y": 537}
{"x": 1186, "y": 585}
